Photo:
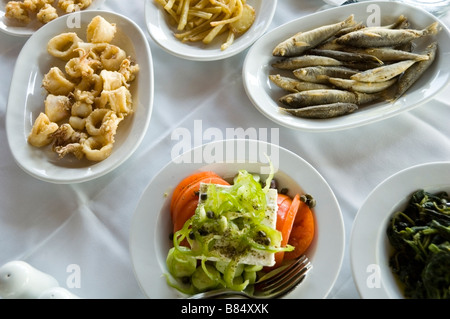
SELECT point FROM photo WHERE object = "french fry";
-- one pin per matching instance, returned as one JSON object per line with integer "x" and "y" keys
{"x": 205, "y": 20}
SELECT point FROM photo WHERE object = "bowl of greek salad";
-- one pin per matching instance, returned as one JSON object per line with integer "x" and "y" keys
{"x": 203, "y": 225}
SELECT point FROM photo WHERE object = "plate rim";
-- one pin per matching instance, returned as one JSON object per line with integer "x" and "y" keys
{"x": 337, "y": 251}
{"x": 249, "y": 77}
{"x": 215, "y": 55}
{"x": 371, "y": 255}
{"x": 90, "y": 174}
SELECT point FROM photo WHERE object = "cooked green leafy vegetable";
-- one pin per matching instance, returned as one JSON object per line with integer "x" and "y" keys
{"x": 420, "y": 236}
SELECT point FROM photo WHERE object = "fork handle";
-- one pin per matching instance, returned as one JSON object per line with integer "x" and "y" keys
{"x": 219, "y": 293}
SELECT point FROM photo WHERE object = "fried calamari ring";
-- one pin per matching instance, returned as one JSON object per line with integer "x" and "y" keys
{"x": 73, "y": 5}
{"x": 88, "y": 89}
{"x": 103, "y": 122}
{"x": 112, "y": 80}
{"x": 55, "y": 82}
{"x": 47, "y": 13}
{"x": 17, "y": 10}
{"x": 63, "y": 45}
{"x": 97, "y": 148}
{"x": 42, "y": 130}
{"x": 100, "y": 31}
{"x": 112, "y": 57}
{"x": 118, "y": 100}
{"x": 57, "y": 107}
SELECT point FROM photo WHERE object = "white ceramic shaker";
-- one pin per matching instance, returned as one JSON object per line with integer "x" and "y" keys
{"x": 20, "y": 280}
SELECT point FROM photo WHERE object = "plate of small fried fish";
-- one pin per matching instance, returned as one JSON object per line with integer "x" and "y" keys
{"x": 348, "y": 66}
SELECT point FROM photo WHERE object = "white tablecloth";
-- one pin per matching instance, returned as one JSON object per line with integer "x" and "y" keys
{"x": 54, "y": 226}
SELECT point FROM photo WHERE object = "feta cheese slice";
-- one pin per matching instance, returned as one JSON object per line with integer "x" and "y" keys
{"x": 223, "y": 250}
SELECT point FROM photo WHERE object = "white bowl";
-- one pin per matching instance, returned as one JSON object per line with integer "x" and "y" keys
{"x": 26, "y": 101}
{"x": 369, "y": 245}
{"x": 163, "y": 33}
{"x": 17, "y": 29}
{"x": 151, "y": 223}
{"x": 264, "y": 94}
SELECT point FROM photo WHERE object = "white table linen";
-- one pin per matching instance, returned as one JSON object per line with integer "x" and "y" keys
{"x": 55, "y": 226}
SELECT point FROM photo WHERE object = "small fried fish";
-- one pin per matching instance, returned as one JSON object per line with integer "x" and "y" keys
{"x": 327, "y": 96}
{"x": 320, "y": 74}
{"x": 302, "y": 41}
{"x": 294, "y": 85}
{"x": 411, "y": 75}
{"x": 303, "y": 61}
{"x": 393, "y": 55}
{"x": 383, "y": 73}
{"x": 324, "y": 111}
{"x": 384, "y": 37}
{"x": 353, "y": 57}
{"x": 363, "y": 87}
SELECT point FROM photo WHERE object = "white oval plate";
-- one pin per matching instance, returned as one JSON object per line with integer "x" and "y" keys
{"x": 163, "y": 34}
{"x": 264, "y": 94}
{"x": 26, "y": 101}
{"x": 17, "y": 29}
{"x": 369, "y": 245}
{"x": 151, "y": 223}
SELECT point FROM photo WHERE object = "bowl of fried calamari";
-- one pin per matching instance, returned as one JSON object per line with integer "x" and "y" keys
{"x": 75, "y": 109}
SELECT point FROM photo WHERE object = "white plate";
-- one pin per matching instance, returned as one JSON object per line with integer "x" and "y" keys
{"x": 151, "y": 223}
{"x": 163, "y": 34}
{"x": 369, "y": 246}
{"x": 17, "y": 29}
{"x": 264, "y": 94}
{"x": 26, "y": 100}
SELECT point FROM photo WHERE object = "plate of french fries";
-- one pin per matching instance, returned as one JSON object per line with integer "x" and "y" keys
{"x": 207, "y": 30}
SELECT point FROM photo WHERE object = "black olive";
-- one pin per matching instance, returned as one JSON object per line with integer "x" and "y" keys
{"x": 261, "y": 233}
{"x": 210, "y": 214}
{"x": 273, "y": 183}
{"x": 203, "y": 196}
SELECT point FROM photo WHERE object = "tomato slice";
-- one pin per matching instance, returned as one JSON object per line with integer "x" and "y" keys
{"x": 287, "y": 227}
{"x": 185, "y": 214}
{"x": 186, "y": 182}
{"x": 283, "y": 202}
{"x": 184, "y": 207}
{"x": 302, "y": 233}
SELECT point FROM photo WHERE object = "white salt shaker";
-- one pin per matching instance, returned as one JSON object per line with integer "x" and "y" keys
{"x": 19, "y": 280}
{"x": 57, "y": 293}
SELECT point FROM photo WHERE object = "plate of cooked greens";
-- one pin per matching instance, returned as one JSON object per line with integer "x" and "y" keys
{"x": 399, "y": 244}
{"x": 348, "y": 66}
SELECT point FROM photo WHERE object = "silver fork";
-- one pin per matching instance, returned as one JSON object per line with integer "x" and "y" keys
{"x": 276, "y": 284}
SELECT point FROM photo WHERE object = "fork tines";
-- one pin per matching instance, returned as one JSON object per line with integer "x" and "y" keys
{"x": 287, "y": 279}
